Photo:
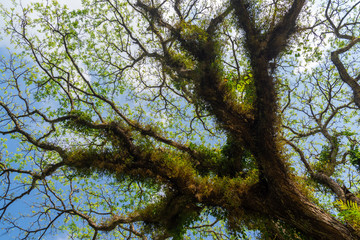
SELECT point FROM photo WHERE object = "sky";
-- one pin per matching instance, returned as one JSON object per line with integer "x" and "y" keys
{"x": 4, "y": 44}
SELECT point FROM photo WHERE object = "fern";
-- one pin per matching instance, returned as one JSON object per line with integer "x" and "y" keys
{"x": 350, "y": 213}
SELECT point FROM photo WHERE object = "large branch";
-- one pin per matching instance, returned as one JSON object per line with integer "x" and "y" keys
{"x": 183, "y": 188}
{"x": 271, "y": 43}
{"x": 350, "y": 81}
{"x": 262, "y": 46}
{"x": 207, "y": 78}
{"x": 278, "y": 37}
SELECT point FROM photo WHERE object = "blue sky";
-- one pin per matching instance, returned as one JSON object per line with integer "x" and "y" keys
{"x": 4, "y": 45}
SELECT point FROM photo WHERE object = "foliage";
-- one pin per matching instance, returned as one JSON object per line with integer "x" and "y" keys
{"x": 193, "y": 119}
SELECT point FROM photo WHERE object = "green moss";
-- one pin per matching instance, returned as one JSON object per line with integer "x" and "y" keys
{"x": 355, "y": 156}
{"x": 193, "y": 32}
{"x": 172, "y": 214}
{"x": 79, "y": 123}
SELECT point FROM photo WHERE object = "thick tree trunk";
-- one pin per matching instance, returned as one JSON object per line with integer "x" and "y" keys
{"x": 286, "y": 203}
{"x": 278, "y": 196}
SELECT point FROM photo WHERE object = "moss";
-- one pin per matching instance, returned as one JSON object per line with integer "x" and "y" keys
{"x": 355, "y": 156}
{"x": 80, "y": 123}
{"x": 172, "y": 214}
{"x": 193, "y": 32}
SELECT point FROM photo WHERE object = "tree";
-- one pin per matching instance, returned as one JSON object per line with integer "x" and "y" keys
{"x": 154, "y": 119}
